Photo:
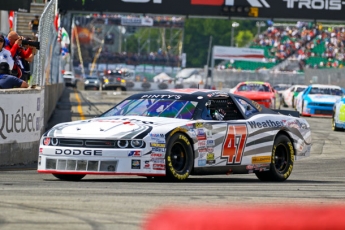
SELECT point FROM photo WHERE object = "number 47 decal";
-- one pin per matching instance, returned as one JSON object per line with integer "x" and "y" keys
{"x": 234, "y": 144}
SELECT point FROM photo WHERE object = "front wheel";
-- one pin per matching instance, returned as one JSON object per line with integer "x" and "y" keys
{"x": 67, "y": 177}
{"x": 282, "y": 161}
{"x": 335, "y": 128}
{"x": 179, "y": 158}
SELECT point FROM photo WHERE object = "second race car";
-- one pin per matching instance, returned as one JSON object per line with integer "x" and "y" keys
{"x": 172, "y": 134}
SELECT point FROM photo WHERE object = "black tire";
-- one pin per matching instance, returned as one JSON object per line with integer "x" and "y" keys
{"x": 282, "y": 161}
{"x": 334, "y": 128}
{"x": 293, "y": 102}
{"x": 68, "y": 177}
{"x": 179, "y": 158}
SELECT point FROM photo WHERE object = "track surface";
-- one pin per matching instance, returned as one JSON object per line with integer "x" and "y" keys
{"x": 29, "y": 200}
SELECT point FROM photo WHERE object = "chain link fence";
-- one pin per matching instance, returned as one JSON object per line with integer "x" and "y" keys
{"x": 229, "y": 79}
{"x": 46, "y": 62}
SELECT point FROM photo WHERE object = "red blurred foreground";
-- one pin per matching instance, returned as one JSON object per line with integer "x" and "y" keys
{"x": 263, "y": 218}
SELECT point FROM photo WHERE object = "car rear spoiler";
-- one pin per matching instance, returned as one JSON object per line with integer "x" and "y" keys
{"x": 287, "y": 112}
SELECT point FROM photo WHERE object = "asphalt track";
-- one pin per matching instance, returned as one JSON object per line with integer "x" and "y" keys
{"x": 29, "y": 200}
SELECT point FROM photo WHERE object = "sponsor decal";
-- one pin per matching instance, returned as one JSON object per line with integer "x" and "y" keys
{"x": 156, "y": 155}
{"x": 210, "y": 150}
{"x": 265, "y": 124}
{"x": 76, "y": 152}
{"x": 156, "y": 166}
{"x": 202, "y": 143}
{"x": 158, "y": 160}
{"x": 202, "y": 155}
{"x": 134, "y": 154}
{"x": 257, "y": 106}
{"x": 201, "y": 135}
{"x": 147, "y": 165}
{"x": 203, "y": 150}
{"x": 202, "y": 162}
{"x": 198, "y": 125}
{"x": 210, "y": 142}
{"x": 176, "y": 97}
{"x": 261, "y": 159}
{"x": 158, "y": 150}
{"x": 210, "y": 158}
{"x": 135, "y": 164}
{"x": 158, "y": 145}
{"x": 159, "y": 138}
{"x": 208, "y": 133}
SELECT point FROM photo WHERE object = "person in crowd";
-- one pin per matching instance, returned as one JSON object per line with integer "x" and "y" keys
{"x": 5, "y": 55}
{"x": 33, "y": 25}
{"x": 8, "y": 81}
{"x": 17, "y": 52}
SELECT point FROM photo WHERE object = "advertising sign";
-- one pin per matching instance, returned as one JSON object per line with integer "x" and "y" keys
{"x": 283, "y": 9}
{"x": 233, "y": 53}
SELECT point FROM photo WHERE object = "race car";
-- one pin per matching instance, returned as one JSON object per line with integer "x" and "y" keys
{"x": 338, "y": 116}
{"x": 172, "y": 134}
{"x": 289, "y": 95}
{"x": 261, "y": 92}
{"x": 318, "y": 100}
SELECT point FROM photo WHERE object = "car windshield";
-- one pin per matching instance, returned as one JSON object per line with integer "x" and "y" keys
{"x": 326, "y": 91}
{"x": 299, "y": 89}
{"x": 254, "y": 87}
{"x": 92, "y": 78}
{"x": 154, "y": 108}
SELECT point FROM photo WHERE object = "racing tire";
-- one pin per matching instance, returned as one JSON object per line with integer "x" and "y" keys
{"x": 334, "y": 128}
{"x": 293, "y": 102}
{"x": 179, "y": 158}
{"x": 281, "y": 161}
{"x": 67, "y": 177}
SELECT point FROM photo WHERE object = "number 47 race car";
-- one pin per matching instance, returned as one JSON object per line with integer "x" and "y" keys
{"x": 172, "y": 134}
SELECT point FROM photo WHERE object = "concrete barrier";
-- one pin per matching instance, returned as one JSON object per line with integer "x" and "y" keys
{"x": 23, "y": 116}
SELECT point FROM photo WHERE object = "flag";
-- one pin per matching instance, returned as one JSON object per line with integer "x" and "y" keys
{"x": 10, "y": 19}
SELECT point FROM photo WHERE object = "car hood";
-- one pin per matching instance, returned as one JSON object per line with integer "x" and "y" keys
{"x": 253, "y": 95}
{"x": 322, "y": 98}
{"x": 125, "y": 127}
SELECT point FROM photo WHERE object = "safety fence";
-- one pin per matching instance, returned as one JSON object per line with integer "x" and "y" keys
{"x": 46, "y": 67}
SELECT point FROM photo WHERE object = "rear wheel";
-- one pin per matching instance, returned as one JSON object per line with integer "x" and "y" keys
{"x": 67, "y": 177}
{"x": 281, "y": 162}
{"x": 179, "y": 158}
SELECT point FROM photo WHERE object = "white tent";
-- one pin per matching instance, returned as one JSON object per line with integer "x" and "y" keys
{"x": 162, "y": 77}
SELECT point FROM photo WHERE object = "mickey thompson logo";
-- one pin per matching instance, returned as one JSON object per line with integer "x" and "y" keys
{"x": 18, "y": 122}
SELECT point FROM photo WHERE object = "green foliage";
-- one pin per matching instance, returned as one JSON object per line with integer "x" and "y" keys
{"x": 197, "y": 34}
{"x": 243, "y": 38}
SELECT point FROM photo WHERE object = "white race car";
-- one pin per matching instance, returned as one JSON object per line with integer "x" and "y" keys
{"x": 171, "y": 134}
{"x": 288, "y": 97}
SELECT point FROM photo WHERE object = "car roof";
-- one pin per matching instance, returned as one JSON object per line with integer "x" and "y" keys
{"x": 325, "y": 86}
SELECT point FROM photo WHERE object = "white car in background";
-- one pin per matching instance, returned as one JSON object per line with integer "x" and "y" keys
{"x": 69, "y": 79}
{"x": 289, "y": 95}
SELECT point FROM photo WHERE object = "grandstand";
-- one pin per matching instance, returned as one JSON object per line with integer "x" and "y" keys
{"x": 294, "y": 47}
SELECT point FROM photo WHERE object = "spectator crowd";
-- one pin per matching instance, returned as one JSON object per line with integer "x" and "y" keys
{"x": 14, "y": 61}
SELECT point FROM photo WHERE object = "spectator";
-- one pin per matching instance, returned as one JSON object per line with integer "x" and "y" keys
{"x": 5, "y": 55}
{"x": 33, "y": 25}
{"x": 17, "y": 52}
{"x": 8, "y": 81}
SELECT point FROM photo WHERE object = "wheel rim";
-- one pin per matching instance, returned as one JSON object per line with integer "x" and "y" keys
{"x": 178, "y": 157}
{"x": 281, "y": 158}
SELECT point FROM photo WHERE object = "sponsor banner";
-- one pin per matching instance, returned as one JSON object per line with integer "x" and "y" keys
{"x": 136, "y": 21}
{"x": 21, "y": 117}
{"x": 273, "y": 9}
{"x": 233, "y": 53}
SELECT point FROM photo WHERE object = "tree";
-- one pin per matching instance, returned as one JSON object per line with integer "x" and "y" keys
{"x": 243, "y": 38}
